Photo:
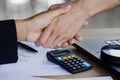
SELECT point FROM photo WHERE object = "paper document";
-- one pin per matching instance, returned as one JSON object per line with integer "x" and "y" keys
{"x": 92, "y": 78}
{"x": 19, "y": 77}
{"x": 33, "y": 64}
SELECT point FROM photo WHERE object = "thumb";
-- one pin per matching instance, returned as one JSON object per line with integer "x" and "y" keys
{"x": 55, "y": 6}
{"x": 56, "y": 12}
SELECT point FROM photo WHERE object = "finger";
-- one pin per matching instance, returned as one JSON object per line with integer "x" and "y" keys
{"x": 71, "y": 41}
{"x": 47, "y": 32}
{"x": 61, "y": 42}
{"x": 50, "y": 36}
{"x": 48, "y": 16}
{"x": 65, "y": 44}
{"x": 44, "y": 36}
{"x": 57, "y": 6}
{"x": 56, "y": 41}
{"x": 51, "y": 40}
{"x": 78, "y": 37}
{"x": 58, "y": 11}
{"x": 86, "y": 23}
{"x": 34, "y": 36}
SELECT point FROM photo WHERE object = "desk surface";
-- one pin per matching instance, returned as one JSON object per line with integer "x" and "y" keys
{"x": 98, "y": 69}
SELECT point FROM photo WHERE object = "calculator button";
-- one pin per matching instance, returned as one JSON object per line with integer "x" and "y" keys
{"x": 69, "y": 57}
{"x": 74, "y": 68}
{"x": 70, "y": 61}
{"x": 73, "y": 56}
{"x": 64, "y": 58}
{"x": 82, "y": 61}
{"x": 78, "y": 58}
{"x": 71, "y": 66}
{"x": 74, "y": 60}
{"x": 78, "y": 67}
{"x": 77, "y": 62}
{"x": 83, "y": 65}
{"x": 59, "y": 58}
{"x": 80, "y": 64}
{"x": 86, "y": 64}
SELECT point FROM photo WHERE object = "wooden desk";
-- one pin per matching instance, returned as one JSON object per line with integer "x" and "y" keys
{"x": 98, "y": 69}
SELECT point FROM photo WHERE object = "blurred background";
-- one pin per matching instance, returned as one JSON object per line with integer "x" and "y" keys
{"x": 20, "y": 9}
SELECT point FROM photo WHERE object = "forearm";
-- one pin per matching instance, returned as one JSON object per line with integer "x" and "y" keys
{"x": 96, "y": 6}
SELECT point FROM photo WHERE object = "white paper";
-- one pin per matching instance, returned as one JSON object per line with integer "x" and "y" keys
{"x": 33, "y": 64}
{"x": 19, "y": 77}
{"x": 91, "y": 78}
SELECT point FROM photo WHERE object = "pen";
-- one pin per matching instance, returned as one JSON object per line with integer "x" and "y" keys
{"x": 27, "y": 47}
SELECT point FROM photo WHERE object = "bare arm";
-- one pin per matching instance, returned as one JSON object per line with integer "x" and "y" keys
{"x": 97, "y": 6}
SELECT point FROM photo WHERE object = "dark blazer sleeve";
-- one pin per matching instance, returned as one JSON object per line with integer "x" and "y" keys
{"x": 8, "y": 42}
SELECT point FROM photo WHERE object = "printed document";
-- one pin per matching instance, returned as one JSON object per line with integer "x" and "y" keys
{"x": 33, "y": 64}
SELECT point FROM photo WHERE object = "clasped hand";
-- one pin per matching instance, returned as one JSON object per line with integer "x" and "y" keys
{"x": 62, "y": 30}
{"x": 51, "y": 29}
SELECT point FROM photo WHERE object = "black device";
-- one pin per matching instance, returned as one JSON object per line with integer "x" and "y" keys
{"x": 68, "y": 60}
{"x": 92, "y": 48}
{"x": 111, "y": 54}
{"x": 26, "y": 47}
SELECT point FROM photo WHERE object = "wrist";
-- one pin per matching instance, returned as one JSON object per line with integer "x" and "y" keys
{"x": 79, "y": 8}
{"x": 21, "y": 29}
{"x": 96, "y": 6}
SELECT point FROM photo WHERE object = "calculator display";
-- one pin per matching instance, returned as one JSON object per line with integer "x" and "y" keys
{"x": 61, "y": 53}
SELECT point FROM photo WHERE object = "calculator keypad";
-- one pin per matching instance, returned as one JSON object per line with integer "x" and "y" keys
{"x": 74, "y": 64}
{"x": 113, "y": 42}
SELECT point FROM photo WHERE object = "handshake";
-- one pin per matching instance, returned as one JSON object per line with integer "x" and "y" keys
{"x": 54, "y": 28}
{"x": 58, "y": 27}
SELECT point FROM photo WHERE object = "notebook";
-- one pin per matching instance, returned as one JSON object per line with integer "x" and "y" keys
{"x": 92, "y": 48}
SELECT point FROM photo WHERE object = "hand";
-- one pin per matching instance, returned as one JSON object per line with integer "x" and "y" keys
{"x": 76, "y": 37}
{"x": 30, "y": 29}
{"x": 63, "y": 28}
{"x": 71, "y": 41}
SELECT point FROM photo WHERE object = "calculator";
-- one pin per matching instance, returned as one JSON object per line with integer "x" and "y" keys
{"x": 69, "y": 61}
